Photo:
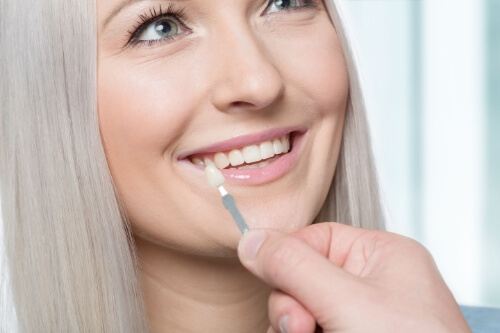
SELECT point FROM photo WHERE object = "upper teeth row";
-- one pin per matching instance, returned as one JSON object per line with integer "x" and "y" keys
{"x": 248, "y": 154}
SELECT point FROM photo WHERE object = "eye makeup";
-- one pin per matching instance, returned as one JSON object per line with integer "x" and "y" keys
{"x": 178, "y": 15}
{"x": 172, "y": 13}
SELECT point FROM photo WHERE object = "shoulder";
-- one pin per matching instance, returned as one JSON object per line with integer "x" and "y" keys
{"x": 482, "y": 319}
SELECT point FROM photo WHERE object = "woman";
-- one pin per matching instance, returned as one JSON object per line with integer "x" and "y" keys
{"x": 109, "y": 223}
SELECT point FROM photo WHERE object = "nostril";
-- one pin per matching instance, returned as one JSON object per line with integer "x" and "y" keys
{"x": 239, "y": 104}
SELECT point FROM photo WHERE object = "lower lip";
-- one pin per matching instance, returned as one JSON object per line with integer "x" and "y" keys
{"x": 266, "y": 174}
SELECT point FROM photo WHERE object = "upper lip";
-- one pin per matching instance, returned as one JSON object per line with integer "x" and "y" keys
{"x": 242, "y": 141}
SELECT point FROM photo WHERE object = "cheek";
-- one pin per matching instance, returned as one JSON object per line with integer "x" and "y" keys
{"x": 145, "y": 108}
{"x": 317, "y": 67}
{"x": 142, "y": 113}
{"x": 328, "y": 75}
{"x": 139, "y": 113}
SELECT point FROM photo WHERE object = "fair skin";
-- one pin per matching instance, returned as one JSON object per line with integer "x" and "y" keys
{"x": 233, "y": 68}
{"x": 363, "y": 281}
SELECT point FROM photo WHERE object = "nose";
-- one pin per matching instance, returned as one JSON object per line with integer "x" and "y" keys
{"x": 245, "y": 77}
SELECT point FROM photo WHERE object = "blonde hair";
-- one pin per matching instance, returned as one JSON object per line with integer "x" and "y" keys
{"x": 70, "y": 256}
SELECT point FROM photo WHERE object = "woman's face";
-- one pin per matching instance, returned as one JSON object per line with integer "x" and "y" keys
{"x": 227, "y": 80}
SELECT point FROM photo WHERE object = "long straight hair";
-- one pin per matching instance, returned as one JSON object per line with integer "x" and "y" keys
{"x": 71, "y": 264}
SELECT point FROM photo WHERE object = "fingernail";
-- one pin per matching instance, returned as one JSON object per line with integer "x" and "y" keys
{"x": 284, "y": 324}
{"x": 251, "y": 242}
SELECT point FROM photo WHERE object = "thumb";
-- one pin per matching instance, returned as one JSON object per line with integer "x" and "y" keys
{"x": 288, "y": 263}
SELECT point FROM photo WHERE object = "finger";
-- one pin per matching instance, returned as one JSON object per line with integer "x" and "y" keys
{"x": 334, "y": 240}
{"x": 288, "y": 263}
{"x": 299, "y": 320}
{"x": 347, "y": 246}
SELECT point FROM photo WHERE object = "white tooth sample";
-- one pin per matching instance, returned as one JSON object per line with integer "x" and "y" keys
{"x": 278, "y": 146}
{"x": 285, "y": 141}
{"x": 221, "y": 161}
{"x": 266, "y": 150}
{"x": 236, "y": 157}
{"x": 214, "y": 176}
{"x": 251, "y": 154}
{"x": 208, "y": 161}
{"x": 198, "y": 161}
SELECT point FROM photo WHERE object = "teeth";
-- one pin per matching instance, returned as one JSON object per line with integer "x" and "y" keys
{"x": 278, "y": 146}
{"x": 286, "y": 144}
{"x": 266, "y": 150}
{"x": 254, "y": 166}
{"x": 198, "y": 161}
{"x": 249, "y": 154}
{"x": 221, "y": 160}
{"x": 236, "y": 157}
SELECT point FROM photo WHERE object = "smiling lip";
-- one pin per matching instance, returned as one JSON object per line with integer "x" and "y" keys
{"x": 243, "y": 140}
{"x": 255, "y": 176}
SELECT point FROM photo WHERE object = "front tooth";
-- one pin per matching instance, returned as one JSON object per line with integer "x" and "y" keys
{"x": 278, "y": 146}
{"x": 286, "y": 144}
{"x": 221, "y": 160}
{"x": 251, "y": 154}
{"x": 236, "y": 157}
{"x": 266, "y": 150}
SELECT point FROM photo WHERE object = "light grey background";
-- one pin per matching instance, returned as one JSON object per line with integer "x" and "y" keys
{"x": 430, "y": 70}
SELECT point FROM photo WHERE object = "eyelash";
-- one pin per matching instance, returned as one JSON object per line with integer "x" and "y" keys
{"x": 151, "y": 16}
{"x": 179, "y": 15}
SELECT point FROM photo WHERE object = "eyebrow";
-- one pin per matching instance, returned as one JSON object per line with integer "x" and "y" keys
{"x": 124, "y": 4}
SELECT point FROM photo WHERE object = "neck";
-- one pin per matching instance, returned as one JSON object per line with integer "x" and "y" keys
{"x": 189, "y": 293}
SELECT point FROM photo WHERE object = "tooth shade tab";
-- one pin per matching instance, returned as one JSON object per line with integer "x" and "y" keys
{"x": 251, "y": 155}
{"x": 214, "y": 175}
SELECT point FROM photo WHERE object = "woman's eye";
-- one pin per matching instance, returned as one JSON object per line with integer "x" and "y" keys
{"x": 163, "y": 28}
{"x": 168, "y": 25}
{"x": 291, "y": 4}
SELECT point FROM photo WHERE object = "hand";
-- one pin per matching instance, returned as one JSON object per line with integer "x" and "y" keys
{"x": 348, "y": 280}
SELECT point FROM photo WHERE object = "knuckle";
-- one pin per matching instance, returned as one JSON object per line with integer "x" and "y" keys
{"x": 418, "y": 248}
{"x": 406, "y": 244}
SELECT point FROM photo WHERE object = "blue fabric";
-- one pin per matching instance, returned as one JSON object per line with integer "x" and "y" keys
{"x": 482, "y": 319}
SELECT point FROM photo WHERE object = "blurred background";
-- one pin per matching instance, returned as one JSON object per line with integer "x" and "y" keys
{"x": 430, "y": 70}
